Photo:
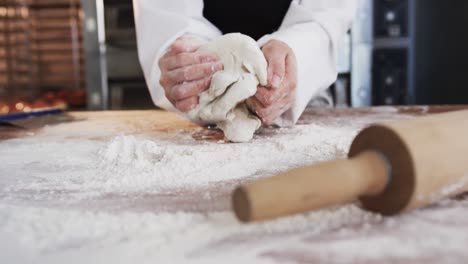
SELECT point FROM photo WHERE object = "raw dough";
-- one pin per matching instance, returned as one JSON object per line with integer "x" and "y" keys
{"x": 223, "y": 103}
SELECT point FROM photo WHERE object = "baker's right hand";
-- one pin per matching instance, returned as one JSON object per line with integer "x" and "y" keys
{"x": 186, "y": 72}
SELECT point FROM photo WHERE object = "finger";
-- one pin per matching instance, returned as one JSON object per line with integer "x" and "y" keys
{"x": 271, "y": 113}
{"x": 277, "y": 111}
{"x": 269, "y": 97}
{"x": 190, "y": 89}
{"x": 253, "y": 104}
{"x": 275, "y": 114}
{"x": 187, "y": 104}
{"x": 291, "y": 71}
{"x": 185, "y": 59}
{"x": 193, "y": 72}
{"x": 256, "y": 106}
{"x": 185, "y": 44}
{"x": 276, "y": 68}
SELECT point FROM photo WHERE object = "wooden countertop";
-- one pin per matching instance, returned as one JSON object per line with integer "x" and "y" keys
{"x": 165, "y": 125}
{"x": 151, "y": 121}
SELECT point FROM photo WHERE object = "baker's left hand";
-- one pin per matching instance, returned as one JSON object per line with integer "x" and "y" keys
{"x": 277, "y": 97}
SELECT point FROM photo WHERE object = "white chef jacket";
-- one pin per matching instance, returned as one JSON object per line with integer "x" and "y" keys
{"x": 312, "y": 29}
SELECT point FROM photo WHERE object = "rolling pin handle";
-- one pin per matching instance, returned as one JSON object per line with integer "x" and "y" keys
{"x": 313, "y": 187}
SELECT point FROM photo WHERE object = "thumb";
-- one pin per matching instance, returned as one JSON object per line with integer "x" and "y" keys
{"x": 276, "y": 70}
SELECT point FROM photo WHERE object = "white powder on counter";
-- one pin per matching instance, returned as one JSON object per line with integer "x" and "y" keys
{"x": 62, "y": 200}
{"x": 342, "y": 235}
{"x": 134, "y": 164}
{"x": 167, "y": 165}
{"x": 156, "y": 237}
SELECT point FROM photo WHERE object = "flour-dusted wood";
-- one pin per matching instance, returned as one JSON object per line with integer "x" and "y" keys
{"x": 56, "y": 203}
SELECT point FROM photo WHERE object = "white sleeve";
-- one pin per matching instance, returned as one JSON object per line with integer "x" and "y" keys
{"x": 158, "y": 24}
{"x": 313, "y": 29}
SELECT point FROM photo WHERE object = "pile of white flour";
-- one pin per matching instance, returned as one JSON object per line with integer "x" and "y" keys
{"x": 120, "y": 200}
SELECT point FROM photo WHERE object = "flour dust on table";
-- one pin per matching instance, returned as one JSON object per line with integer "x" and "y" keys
{"x": 165, "y": 199}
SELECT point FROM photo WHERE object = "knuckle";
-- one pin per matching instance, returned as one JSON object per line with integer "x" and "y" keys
{"x": 290, "y": 84}
{"x": 291, "y": 53}
{"x": 268, "y": 101}
{"x": 175, "y": 46}
{"x": 264, "y": 98}
{"x": 176, "y": 42}
{"x": 179, "y": 41}
{"x": 275, "y": 41}
{"x": 269, "y": 45}
{"x": 168, "y": 95}
{"x": 205, "y": 84}
{"x": 180, "y": 106}
{"x": 281, "y": 45}
{"x": 183, "y": 39}
{"x": 208, "y": 69}
{"x": 178, "y": 59}
{"x": 182, "y": 59}
{"x": 178, "y": 92}
{"x": 163, "y": 82}
{"x": 261, "y": 112}
{"x": 161, "y": 63}
{"x": 293, "y": 85}
{"x": 200, "y": 85}
{"x": 268, "y": 50}
{"x": 182, "y": 74}
{"x": 187, "y": 73}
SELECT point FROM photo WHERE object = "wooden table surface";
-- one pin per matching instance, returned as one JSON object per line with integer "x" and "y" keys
{"x": 163, "y": 125}
{"x": 150, "y": 121}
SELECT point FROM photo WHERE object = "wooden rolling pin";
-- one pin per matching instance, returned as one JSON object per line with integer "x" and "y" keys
{"x": 393, "y": 167}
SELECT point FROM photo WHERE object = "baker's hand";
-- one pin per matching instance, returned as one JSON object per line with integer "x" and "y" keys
{"x": 272, "y": 101}
{"x": 185, "y": 72}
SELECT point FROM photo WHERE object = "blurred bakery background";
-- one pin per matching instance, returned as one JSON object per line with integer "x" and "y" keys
{"x": 69, "y": 53}
{"x": 82, "y": 54}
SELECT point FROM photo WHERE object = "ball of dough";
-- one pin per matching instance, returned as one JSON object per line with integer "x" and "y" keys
{"x": 223, "y": 103}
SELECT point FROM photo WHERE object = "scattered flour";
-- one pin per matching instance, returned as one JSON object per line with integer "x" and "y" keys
{"x": 158, "y": 237}
{"x": 134, "y": 164}
{"x": 446, "y": 191}
{"x": 456, "y": 187}
{"x": 62, "y": 200}
{"x": 165, "y": 165}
